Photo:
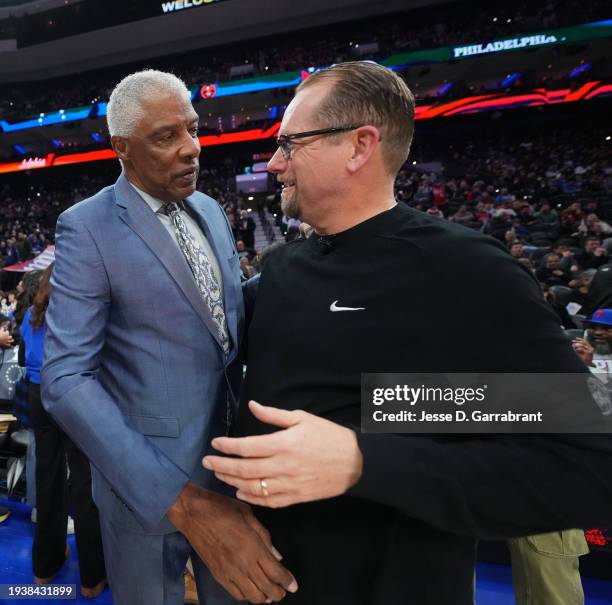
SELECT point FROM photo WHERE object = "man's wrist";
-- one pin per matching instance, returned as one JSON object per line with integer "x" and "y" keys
{"x": 180, "y": 512}
{"x": 177, "y": 513}
{"x": 357, "y": 461}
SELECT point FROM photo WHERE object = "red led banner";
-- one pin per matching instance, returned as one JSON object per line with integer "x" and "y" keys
{"x": 80, "y": 158}
{"x": 533, "y": 98}
{"x": 51, "y": 161}
{"x": 467, "y": 105}
{"x": 28, "y": 164}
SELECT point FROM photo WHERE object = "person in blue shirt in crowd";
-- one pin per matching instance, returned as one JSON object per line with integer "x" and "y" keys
{"x": 54, "y": 449}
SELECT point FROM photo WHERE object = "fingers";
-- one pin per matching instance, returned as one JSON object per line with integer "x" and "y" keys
{"x": 262, "y": 532}
{"x": 274, "y": 416}
{"x": 234, "y": 590}
{"x": 266, "y": 580}
{"x": 253, "y": 487}
{"x": 249, "y": 447}
{"x": 581, "y": 346}
{"x": 581, "y": 343}
{"x": 271, "y": 590}
{"x": 244, "y": 468}
{"x": 250, "y": 588}
{"x": 262, "y": 445}
{"x": 276, "y": 501}
{"x": 278, "y": 575}
{"x": 247, "y": 579}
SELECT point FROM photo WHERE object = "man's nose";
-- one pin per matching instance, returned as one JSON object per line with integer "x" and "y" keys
{"x": 277, "y": 163}
{"x": 191, "y": 147}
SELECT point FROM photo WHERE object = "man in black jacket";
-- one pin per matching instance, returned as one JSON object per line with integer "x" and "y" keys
{"x": 383, "y": 519}
{"x": 551, "y": 273}
{"x": 592, "y": 256}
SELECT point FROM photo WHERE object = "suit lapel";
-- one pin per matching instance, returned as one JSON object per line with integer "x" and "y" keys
{"x": 142, "y": 220}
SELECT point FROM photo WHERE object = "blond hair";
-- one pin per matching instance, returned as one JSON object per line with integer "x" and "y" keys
{"x": 367, "y": 93}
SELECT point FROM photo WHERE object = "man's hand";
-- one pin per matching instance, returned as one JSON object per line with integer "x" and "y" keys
{"x": 311, "y": 459}
{"x": 6, "y": 340}
{"x": 584, "y": 350}
{"x": 235, "y": 547}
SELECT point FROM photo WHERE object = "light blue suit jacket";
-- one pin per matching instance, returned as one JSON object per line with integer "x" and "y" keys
{"x": 133, "y": 371}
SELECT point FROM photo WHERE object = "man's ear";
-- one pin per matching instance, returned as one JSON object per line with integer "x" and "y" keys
{"x": 121, "y": 147}
{"x": 366, "y": 141}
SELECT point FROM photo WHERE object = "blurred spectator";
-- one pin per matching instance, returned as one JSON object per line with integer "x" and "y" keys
{"x": 592, "y": 256}
{"x": 6, "y": 338}
{"x": 23, "y": 246}
{"x": 435, "y": 211}
{"x": 463, "y": 216}
{"x": 600, "y": 291}
{"x": 580, "y": 287}
{"x": 246, "y": 229}
{"x": 545, "y": 568}
{"x": 53, "y": 450}
{"x": 9, "y": 304}
{"x": 516, "y": 250}
{"x": 26, "y": 291}
{"x": 564, "y": 252}
{"x": 593, "y": 226}
{"x": 526, "y": 262}
{"x": 12, "y": 253}
{"x": 246, "y": 269}
{"x": 243, "y": 251}
{"x": 547, "y": 215}
{"x": 565, "y": 319}
{"x": 596, "y": 348}
{"x": 551, "y": 273}
{"x": 292, "y": 228}
{"x": 571, "y": 218}
{"x": 499, "y": 224}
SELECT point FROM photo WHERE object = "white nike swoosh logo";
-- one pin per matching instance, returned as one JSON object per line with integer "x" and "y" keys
{"x": 334, "y": 308}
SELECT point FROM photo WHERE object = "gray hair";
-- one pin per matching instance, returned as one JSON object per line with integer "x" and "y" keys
{"x": 124, "y": 109}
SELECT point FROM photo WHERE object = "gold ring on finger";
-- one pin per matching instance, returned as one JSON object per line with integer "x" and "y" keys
{"x": 264, "y": 488}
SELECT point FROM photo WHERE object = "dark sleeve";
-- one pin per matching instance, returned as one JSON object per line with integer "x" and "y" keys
{"x": 491, "y": 488}
{"x": 20, "y": 342}
{"x": 21, "y": 354}
{"x": 496, "y": 486}
{"x": 249, "y": 293}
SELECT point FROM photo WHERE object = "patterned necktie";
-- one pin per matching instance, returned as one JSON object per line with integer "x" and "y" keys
{"x": 202, "y": 271}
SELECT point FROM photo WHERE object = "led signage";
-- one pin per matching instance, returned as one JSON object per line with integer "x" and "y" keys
{"x": 177, "y": 5}
{"x": 501, "y": 45}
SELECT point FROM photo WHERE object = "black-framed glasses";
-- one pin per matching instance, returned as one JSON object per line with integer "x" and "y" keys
{"x": 284, "y": 140}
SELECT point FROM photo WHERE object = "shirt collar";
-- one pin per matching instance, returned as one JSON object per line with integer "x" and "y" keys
{"x": 154, "y": 203}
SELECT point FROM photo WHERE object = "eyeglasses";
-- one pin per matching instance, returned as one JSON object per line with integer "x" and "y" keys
{"x": 284, "y": 140}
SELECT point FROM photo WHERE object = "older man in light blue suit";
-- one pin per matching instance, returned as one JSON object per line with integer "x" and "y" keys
{"x": 141, "y": 365}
